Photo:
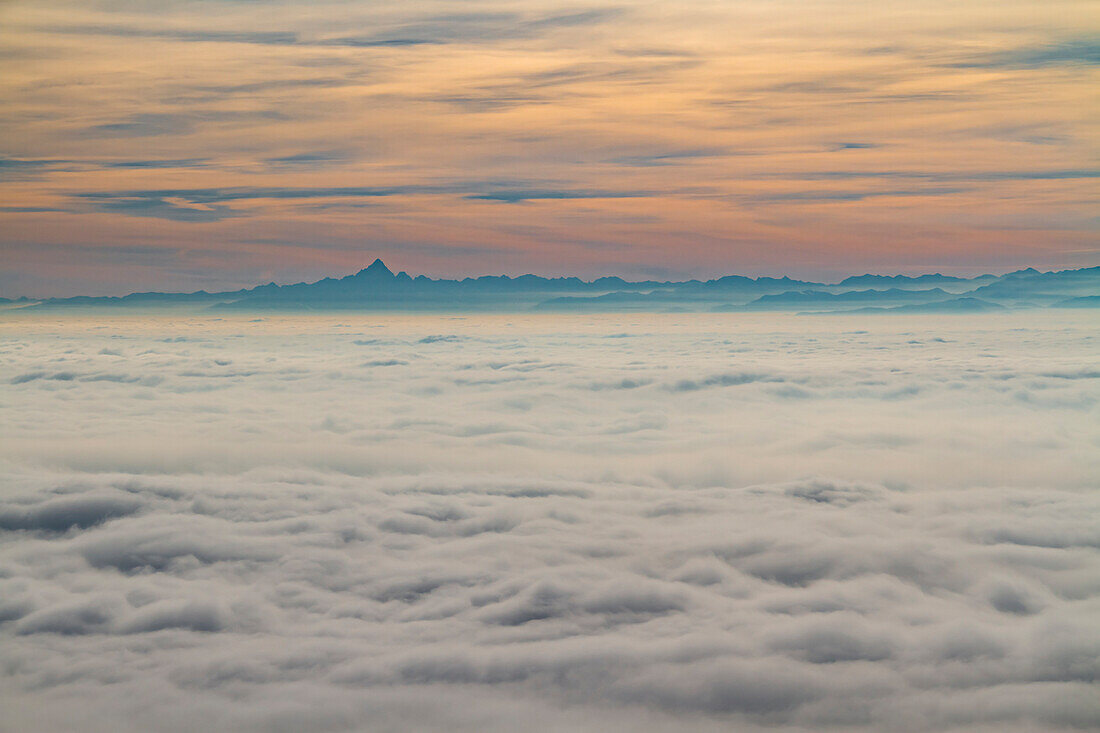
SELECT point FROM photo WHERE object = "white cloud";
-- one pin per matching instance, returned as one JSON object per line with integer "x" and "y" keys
{"x": 533, "y": 525}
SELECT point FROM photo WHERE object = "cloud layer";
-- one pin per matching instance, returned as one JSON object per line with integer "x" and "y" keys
{"x": 555, "y": 523}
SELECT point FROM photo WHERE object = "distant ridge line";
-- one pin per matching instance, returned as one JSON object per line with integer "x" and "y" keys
{"x": 377, "y": 288}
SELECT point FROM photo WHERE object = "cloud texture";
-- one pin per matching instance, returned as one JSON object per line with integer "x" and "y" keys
{"x": 550, "y": 523}
{"x": 286, "y": 140}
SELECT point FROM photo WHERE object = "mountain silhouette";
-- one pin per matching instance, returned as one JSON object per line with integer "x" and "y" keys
{"x": 377, "y": 288}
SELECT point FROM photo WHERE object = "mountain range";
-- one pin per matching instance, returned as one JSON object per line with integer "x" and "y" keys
{"x": 377, "y": 288}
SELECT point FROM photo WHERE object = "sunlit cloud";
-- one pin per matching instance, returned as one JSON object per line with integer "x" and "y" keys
{"x": 691, "y": 136}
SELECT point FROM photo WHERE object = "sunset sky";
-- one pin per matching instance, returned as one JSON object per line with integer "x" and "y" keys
{"x": 186, "y": 145}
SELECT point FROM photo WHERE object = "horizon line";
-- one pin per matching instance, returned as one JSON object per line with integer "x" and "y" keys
{"x": 381, "y": 265}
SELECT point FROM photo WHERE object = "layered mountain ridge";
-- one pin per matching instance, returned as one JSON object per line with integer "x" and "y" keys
{"x": 378, "y": 288}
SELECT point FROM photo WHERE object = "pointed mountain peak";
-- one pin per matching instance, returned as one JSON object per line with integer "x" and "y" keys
{"x": 377, "y": 268}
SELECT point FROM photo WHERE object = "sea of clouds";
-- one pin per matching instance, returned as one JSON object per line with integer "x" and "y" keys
{"x": 651, "y": 523}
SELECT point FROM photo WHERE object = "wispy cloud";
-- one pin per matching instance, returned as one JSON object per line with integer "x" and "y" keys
{"x": 954, "y": 175}
{"x": 471, "y": 27}
{"x": 202, "y": 205}
{"x": 22, "y": 169}
{"x": 181, "y": 123}
{"x": 278, "y": 38}
{"x": 144, "y": 164}
{"x": 840, "y": 196}
{"x": 518, "y": 195}
{"x": 309, "y": 160}
{"x": 166, "y": 207}
{"x": 836, "y": 147}
{"x": 30, "y": 209}
{"x": 1073, "y": 52}
{"x": 690, "y": 140}
{"x": 672, "y": 157}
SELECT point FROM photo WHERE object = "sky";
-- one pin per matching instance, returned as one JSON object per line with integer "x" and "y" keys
{"x": 217, "y": 144}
